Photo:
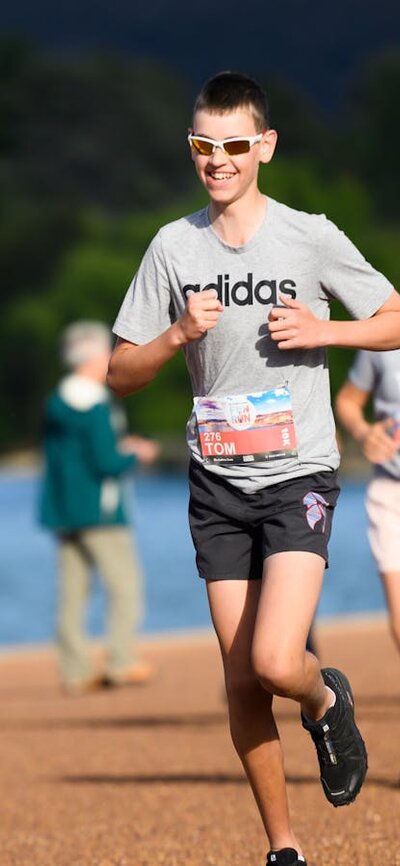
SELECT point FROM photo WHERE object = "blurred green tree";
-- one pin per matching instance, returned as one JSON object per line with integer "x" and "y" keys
{"x": 99, "y": 130}
{"x": 369, "y": 146}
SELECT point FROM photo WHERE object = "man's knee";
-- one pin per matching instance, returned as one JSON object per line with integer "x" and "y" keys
{"x": 279, "y": 673}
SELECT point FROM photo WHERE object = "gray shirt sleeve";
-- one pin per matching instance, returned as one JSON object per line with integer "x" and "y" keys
{"x": 146, "y": 310}
{"x": 347, "y": 276}
{"x": 362, "y": 372}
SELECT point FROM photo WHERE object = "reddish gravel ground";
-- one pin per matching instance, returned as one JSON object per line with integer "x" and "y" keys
{"x": 147, "y": 776}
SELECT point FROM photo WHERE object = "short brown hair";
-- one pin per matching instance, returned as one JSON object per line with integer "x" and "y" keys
{"x": 228, "y": 91}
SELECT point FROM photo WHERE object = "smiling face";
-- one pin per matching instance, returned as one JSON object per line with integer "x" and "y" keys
{"x": 229, "y": 179}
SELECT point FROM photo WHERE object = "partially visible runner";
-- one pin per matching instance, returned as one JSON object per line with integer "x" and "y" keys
{"x": 378, "y": 374}
{"x": 244, "y": 287}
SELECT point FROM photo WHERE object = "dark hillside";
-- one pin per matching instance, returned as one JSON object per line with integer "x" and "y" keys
{"x": 318, "y": 45}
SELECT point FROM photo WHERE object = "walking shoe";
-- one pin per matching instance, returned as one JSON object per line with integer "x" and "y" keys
{"x": 138, "y": 674}
{"x": 285, "y": 857}
{"x": 76, "y": 688}
{"x": 340, "y": 747}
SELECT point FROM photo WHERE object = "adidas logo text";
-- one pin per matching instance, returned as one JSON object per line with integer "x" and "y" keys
{"x": 245, "y": 292}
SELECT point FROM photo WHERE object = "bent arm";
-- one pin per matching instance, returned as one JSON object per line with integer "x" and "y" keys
{"x": 102, "y": 446}
{"x": 132, "y": 367}
{"x": 349, "y": 405}
{"x": 377, "y": 444}
{"x": 380, "y": 332}
{"x": 294, "y": 326}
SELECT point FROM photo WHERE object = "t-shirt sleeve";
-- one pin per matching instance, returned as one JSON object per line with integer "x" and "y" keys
{"x": 362, "y": 373}
{"x": 347, "y": 276}
{"x": 146, "y": 310}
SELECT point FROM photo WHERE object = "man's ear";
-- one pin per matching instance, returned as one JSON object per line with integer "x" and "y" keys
{"x": 268, "y": 145}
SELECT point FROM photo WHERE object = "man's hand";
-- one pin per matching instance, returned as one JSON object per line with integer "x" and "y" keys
{"x": 202, "y": 312}
{"x": 146, "y": 450}
{"x": 294, "y": 326}
{"x": 377, "y": 445}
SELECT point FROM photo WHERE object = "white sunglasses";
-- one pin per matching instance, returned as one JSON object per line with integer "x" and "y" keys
{"x": 231, "y": 146}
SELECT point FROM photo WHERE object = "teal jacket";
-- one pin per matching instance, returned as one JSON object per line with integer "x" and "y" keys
{"x": 84, "y": 471}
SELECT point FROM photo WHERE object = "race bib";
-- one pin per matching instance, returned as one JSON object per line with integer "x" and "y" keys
{"x": 244, "y": 428}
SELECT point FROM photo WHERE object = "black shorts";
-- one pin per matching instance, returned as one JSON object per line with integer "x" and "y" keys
{"x": 233, "y": 532}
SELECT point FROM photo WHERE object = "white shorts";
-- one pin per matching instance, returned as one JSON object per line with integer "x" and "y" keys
{"x": 383, "y": 509}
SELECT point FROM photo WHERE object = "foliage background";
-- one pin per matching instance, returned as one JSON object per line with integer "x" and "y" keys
{"x": 93, "y": 159}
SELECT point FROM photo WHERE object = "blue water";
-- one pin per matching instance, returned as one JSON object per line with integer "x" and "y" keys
{"x": 175, "y": 597}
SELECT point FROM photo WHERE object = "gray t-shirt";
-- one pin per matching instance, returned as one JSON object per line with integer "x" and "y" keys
{"x": 378, "y": 373}
{"x": 296, "y": 254}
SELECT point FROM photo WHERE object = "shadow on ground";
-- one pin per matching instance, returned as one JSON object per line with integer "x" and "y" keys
{"x": 199, "y": 778}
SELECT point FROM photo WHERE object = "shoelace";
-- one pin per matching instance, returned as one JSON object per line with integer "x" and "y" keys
{"x": 331, "y": 747}
{"x": 329, "y": 744}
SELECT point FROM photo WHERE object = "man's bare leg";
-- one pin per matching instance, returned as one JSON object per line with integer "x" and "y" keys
{"x": 289, "y": 595}
{"x": 233, "y": 606}
{"x": 291, "y": 588}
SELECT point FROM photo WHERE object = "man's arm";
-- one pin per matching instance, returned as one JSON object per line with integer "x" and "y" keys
{"x": 376, "y": 443}
{"x": 296, "y": 327}
{"x": 132, "y": 367}
{"x": 102, "y": 451}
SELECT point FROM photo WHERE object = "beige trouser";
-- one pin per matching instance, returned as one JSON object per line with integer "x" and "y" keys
{"x": 112, "y": 552}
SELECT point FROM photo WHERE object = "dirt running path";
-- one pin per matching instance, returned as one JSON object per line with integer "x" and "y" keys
{"x": 147, "y": 776}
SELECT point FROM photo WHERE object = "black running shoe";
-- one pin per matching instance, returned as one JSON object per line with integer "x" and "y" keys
{"x": 285, "y": 857}
{"x": 340, "y": 747}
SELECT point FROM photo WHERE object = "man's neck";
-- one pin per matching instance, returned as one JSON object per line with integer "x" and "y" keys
{"x": 237, "y": 222}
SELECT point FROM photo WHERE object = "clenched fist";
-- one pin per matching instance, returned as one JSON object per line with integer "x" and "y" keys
{"x": 202, "y": 312}
{"x": 377, "y": 443}
{"x": 294, "y": 326}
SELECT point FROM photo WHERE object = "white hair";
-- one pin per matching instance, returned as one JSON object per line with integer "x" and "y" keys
{"x": 81, "y": 341}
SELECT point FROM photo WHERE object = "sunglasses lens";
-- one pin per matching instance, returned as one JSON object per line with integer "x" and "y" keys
{"x": 203, "y": 147}
{"x": 233, "y": 148}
